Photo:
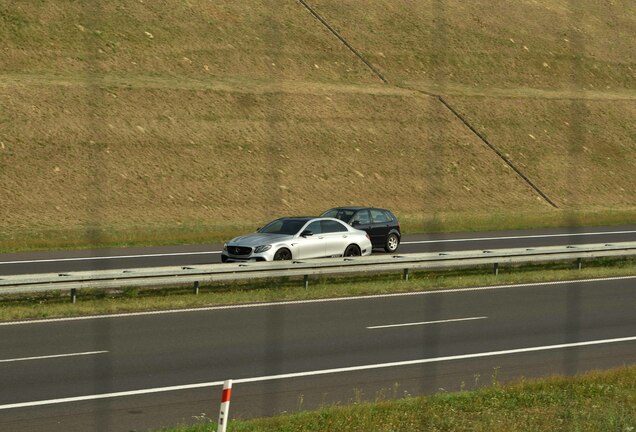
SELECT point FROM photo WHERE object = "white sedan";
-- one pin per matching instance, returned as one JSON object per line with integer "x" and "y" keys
{"x": 298, "y": 238}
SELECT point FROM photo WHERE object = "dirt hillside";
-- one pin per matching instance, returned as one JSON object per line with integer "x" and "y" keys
{"x": 154, "y": 122}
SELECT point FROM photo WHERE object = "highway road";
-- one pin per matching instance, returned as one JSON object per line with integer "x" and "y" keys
{"x": 141, "y": 371}
{"x": 101, "y": 259}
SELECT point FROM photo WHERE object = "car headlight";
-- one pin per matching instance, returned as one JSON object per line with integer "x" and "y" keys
{"x": 262, "y": 248}
{"x": 224, "y": 247}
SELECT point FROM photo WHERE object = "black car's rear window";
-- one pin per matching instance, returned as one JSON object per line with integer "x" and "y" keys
{"x": 380, "y": 216}
{"x": 342, "y": 214}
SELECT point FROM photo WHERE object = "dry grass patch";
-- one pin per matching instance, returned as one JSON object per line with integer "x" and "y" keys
{"x": 580, "y": 152}
{"x": 162, "y": 122}
{"x": 78, "y": 157}
{"x": 539, "y": 44}
{"x": 263, "y": 39}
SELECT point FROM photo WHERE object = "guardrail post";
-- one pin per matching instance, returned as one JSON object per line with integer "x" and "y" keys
{"x": 405, "y": 275}
{"x": 306, "y": 281}
{"x": 225, "y": 406}
{"x": 579, "y": 263}
{"x": 496, "y": 269}
{"x": 196, "y": 287}
{"x": 74, "y": 295}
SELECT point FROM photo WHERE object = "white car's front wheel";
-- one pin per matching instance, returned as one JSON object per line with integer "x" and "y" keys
{"x": 282, "y": 254}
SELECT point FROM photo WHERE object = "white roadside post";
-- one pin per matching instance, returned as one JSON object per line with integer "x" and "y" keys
{"x": 225, "y": 406}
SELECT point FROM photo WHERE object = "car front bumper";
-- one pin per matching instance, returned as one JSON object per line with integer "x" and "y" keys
{"x": 252, "y": 258}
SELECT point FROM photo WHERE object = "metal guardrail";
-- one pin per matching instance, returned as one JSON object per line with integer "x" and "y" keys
{"x": 202, "y": 274}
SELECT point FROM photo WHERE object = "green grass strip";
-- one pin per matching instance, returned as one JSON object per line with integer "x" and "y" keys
{"x": 594, "y": 402}
{"x": 95, "y": 302}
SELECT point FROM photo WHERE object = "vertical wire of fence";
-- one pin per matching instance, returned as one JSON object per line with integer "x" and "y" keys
{"x": 94, "y": 144}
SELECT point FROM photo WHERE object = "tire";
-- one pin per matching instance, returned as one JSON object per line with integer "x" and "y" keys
{"x": 352, "y": 250}
{"x": 282, "y": 255}
{"x": 392, "y": 243}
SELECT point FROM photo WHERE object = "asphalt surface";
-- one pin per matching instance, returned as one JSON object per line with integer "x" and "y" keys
{"x": 101, "y": 259}
{"x": 456, "y": 339}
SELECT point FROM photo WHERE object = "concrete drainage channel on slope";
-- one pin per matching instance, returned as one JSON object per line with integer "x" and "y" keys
{"x": 437, "y": 97}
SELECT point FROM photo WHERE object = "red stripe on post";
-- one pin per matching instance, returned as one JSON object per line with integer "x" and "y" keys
{"x": 225, "y": 397}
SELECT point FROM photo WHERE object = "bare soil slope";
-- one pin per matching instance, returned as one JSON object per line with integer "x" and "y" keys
{"x": 542, "y": 44}
{"x": 171, "y": 121}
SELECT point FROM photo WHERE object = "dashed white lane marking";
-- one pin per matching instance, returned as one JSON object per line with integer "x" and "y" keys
{"x": 323, "y": 300}
{"x": 426, "y": 322}
{"x": 317, "y": 372}
{"x": 52, "y": 356}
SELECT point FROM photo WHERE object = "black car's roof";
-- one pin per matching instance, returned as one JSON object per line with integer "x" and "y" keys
{"x": 355, "y": 208}
{"x": 297, "y": 217}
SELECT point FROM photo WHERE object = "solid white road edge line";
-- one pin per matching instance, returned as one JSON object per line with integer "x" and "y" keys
{"x": 109, "y": 257}
{"x": 324, "y": 300}
{"x": 53, "y": 356}
{"x": 317, "y": 372}
{"x": 517, "y": 237}
{"x": 405, "y": 242}
{"x": 425, "y": 322}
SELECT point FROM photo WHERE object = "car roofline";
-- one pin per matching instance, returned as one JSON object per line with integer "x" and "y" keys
{"x": 356, "y": 208}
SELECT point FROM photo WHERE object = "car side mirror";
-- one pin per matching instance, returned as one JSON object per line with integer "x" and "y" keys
{"x": 306, "y": 233}
{"x": 355, "y": 223}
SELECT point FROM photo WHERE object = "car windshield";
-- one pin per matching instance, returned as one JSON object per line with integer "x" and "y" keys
{"x": 342, "y": 214}
{"x": 283, "y": 226}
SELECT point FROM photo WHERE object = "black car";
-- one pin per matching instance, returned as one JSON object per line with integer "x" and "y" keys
{"x": 381, "y": 225}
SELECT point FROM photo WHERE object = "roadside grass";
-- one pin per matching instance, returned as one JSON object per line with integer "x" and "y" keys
{"x": 94, "y": 302}
{"x": 511, "y": 219}
{"x": 119, "y": 236}
{"x": 597, "y": 401}
{"x": 202, "y": 232}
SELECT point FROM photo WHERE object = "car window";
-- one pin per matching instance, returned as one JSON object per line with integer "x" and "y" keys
{"x": 330, "y": 226}
{"x": 342, "y": 214}
{"x": 272, "y": 227}
{"x": 362, "y": 216}
{"x": 314, "y": 227}
{"x": 330, "y": 213}
{"x": 283, "y": 226}
{"x": 380, "y": 216}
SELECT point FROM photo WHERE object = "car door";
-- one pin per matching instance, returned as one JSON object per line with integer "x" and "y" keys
{"x": 380, "y": 227}
{"x": 311, "y": 246}
{"x": 336, "y": 237}
{"x": 362, "y": 221}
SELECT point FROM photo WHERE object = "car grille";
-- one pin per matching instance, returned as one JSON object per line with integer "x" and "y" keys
{"x": 239, "y": 250}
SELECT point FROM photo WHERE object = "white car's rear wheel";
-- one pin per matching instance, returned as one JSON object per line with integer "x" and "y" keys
{"x": 352, "y": 250}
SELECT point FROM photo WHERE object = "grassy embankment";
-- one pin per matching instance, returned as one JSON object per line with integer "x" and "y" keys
{"x": 594, "y": 402}
{"x": 171, "y": 122}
